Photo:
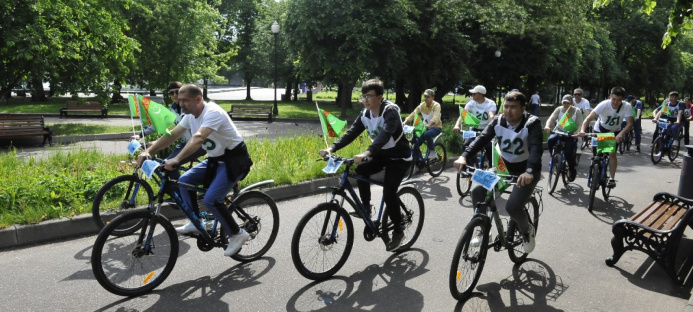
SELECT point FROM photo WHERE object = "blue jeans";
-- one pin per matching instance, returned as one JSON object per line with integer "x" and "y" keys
{"x": 535, "y": 110}
{"x": 216, "y": 193}
{"x": 637, "y": 130}
{"x": 427, "y": 136}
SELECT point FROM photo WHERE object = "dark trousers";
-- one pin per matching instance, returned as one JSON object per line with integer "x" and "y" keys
{"x": 686, "y": 135}
{"x": 394, "y": 174}
{"x": 516, "y": 201}
{"x": 570, "y": 145}
{"x": 427, "y": 137}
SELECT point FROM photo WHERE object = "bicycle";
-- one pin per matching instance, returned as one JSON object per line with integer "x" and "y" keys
{"x": 464, "y": 180}
{"x": 324, "y": 236}
{"x": 665, "y": 142}
{"x": 558, "y": 166}
{"x": 598, "y": 174}
{"x": 585, "y": 140}
{"x": 628, "y": 141}
{"x": 136, "y": 263}
{"x": 434, "y": 159}
{"x": 472, "y": 248}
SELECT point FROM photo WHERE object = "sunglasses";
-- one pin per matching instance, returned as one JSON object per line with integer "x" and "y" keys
{"x": 577, "y": 94}
{"x": 172, "y": 92}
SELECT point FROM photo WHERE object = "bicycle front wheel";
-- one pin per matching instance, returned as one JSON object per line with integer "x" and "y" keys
{"x": 554, "y": 172}
{"x": 322, "y": 241}
{"x": 469, "y": 258}
{"x": 656, "y": 152}
{"x": 117, "y": 196}
{"x": 516, "y": 250}
{"x": 412, "y": 210}
{"x": 594, "y": 185}
{"x": 464, "y": 183}
{"x": 674, "y": 149}
{"x": 436, "y": 164}
{"x": 258, "y": 215}
{"x": 134, "y": 264}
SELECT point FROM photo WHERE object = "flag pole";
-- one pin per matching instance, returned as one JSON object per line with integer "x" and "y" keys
{"x": 322, "y": 123}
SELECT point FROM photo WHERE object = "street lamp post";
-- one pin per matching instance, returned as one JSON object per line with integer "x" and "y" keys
{"x": 275, "y": 31}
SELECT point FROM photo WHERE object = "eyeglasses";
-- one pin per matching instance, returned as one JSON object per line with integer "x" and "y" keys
{"x": 577, "y": 94}
{"x": 366, "y": 97}
{"x": 172, "y": 92}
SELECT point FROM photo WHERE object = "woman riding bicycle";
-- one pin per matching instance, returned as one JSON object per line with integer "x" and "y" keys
{"x": 520, "y": 142}
{"x": 389, "y": 147}
{"x": 429, "y": 111}
{"x": 570, "y": 143}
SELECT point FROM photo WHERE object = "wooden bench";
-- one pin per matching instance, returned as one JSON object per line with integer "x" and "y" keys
{"x": 657, "y": 231}
{"x": 84, "y": 107}
{"x": 241, "y": 110}
{"x": 19, "y": 126}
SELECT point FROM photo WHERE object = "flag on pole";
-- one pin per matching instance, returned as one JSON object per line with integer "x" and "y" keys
{"x": 468, "y": 118}
{"x": 134, "y": 107}
{"x": 606, "y": 143}
{"x": 160, "y": 117}
{"x": 567, "y": 123}
{"x": 142, "y": 111}
{"x": 331, "y": 125}
{"x": 499, "y": 164}
{"x": 419, "y": 126}
{"x": 665, "y": 109}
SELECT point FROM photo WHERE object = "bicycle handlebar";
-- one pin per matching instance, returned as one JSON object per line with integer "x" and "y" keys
{"x": 508, "y": 178}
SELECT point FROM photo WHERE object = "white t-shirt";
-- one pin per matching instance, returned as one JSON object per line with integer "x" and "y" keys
{"x": 584, "y": 105}
{"x": 609, "y": 117}
{"x": 534, "y": 99}
{"x": 225, "y": 135}
{"x": 481, "y": 110}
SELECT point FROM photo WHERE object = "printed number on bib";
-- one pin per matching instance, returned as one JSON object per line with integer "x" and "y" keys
{"x": 512, "y": 147}
{"x": 612, "y": 121}
{"x": 482, "y": 116}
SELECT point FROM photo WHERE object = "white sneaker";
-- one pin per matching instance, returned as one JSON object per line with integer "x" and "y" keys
{"x": 529, "y": 240}
{"x": 236, "y": 241}
{"x": 432, "y": 155}
{"x": 186, "y": 229}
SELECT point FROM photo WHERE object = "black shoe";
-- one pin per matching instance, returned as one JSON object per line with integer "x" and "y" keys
{"x": 395, "y": 241}
{"x": 637, "y": 149}
{"x": 611, "y": 183}
{"x": 571, "y": 175}
{"x": 356, "y": 215}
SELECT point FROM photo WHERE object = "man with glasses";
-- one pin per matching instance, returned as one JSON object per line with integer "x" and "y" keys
{"x": 389, "y": 149}
{"x": 429, "y": 111}
{"x": 581, "y": 103}
{"x": 483, "y": 109}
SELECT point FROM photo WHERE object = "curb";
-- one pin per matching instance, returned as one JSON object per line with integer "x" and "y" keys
{"x": 52, "y": 230}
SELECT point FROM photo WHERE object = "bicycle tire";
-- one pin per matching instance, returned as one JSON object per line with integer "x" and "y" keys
{"x": 606, "y": 191}
{"x": 263, "y": 211}
{"x": 115, "y": 257}
{"x": 594, "y": 184}
{"x": 554, "y": 172}
{"x": 320, "y": 221}
{"x": 674, "y": 149}
{"x": 657, "y": 150}
{"x": 629, "y": 140}
{"x": 437, "y": 165}
{"x": 464, "y": 183}
{"x": 410, "y": 170}
{"x": 563, "y": 170}
{"x": 468, "y": 260}
{"x": 516, "y": 251}
{"x": 116, "y": 197}
{"x": 622, "y": 146}
{"x": 413, "y": 215}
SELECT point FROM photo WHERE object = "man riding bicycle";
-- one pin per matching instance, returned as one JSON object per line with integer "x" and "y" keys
{"x": 429, "y": 111}
{"x": 673, "y": 110}
{"x": 520, "y": 140}
{"x": 483, "y": 109}
{"x": 389, "y": 149}
{"x": 228, "y": 160}
{"x": 609, "y": 114}
{"x": 570, "y": 143}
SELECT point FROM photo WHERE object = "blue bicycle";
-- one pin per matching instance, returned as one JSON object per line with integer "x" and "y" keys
{"x": 135, "y": 263}
{"x": 558, "y": 166}
{"x": 464, "y": 179}
{"x": 598, "y": 175}
{"x": 665, "y": 143}
{"x": 434, "y": 158}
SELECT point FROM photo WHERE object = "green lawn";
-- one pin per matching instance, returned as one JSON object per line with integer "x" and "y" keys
{"x": 61, "y": 129}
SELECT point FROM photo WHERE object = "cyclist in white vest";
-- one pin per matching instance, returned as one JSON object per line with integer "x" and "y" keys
{"x": 389, "y": 149}
{"x": 520, "y": 141}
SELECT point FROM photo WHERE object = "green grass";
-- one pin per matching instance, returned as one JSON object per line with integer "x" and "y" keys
{"x": 61, "y": 129}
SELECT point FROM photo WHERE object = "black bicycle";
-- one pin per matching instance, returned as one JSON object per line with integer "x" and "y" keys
{"x": 464, "y": 179}
{"x": 665, "y": 143}
{"x": 598, "y": 175}
{"x": 135, "y": 263}
{"x": 472, "y": 248}
{"x": 434, "y": 158}
{"x": 558, "y": 166}
{"x": 324, "y": 236}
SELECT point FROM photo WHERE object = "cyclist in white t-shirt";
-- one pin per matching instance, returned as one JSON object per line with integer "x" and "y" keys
{"x": 483, "y": 109}
{"x": 581, "y": 103}
{"x": 609, "y": 114}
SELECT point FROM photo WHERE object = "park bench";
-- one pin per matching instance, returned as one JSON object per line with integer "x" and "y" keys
{"x": 83, "y": 107}
{"x": 242, "y": 110}
{"x": 657, "y": 231}
{"x": 19, "y": 126}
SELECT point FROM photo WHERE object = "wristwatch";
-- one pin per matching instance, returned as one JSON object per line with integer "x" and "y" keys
{"x": 529, "y": 170}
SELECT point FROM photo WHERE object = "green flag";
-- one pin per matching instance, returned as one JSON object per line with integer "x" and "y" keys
{"x": 606, "y": 143}
{"x": 499, "y": 164}
{"x": 134, "y": 108}
{"x": 468, "y": 118}
{"x": 160, "y": 117}
{"x": 331, "y": 125}
{"x": 567, "y": 123}
{"x": 419, "y": 126}
{"x": 142, "y": 110}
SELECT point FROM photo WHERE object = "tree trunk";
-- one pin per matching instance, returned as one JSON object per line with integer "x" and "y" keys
{"x": 37, "y": 93}
{"x": 344, "y": 97}
{"x": 413, "y": 100}
{"x": 248, "y": 80}
{"x": 117, "y": 97}
{"x": 152, "y": 92}
{"x": 204, "y": 89}
{"x": 400, "y": 96}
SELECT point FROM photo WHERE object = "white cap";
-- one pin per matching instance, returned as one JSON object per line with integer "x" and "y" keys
{"x": 478, "y": 89}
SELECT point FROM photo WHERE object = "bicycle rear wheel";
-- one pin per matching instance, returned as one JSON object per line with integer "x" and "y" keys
{"x": 134, "y": 264}
{"x": 657, "y": 148}
{"x": 436, "y": 164}
{"x": 410, "y": 170}
{"x": 258, "y": 215}
{"x": 629, "y": 140}
{"x": 121, "y": 194}
{"x": 554, "y": 172}
{"x": 516, "y": 250}
{"x": 469, "y": 258}
{"x": 464, "y": 183}
{"x": 674, "y": 149}
{"x": 322, "y": 241}
{"x": 594, "y": 184}
{"x": 412, "y": 210}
